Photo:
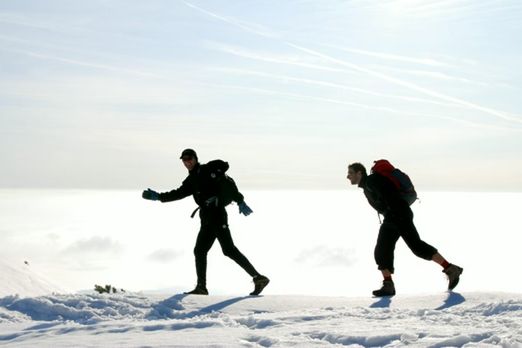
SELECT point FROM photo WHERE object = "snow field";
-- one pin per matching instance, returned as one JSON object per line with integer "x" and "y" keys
{"x": 140, "y": 320}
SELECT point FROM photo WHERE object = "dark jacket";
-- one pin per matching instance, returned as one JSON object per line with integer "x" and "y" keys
{"x": 384, "y": 197}
{"x": 201, "y": 184}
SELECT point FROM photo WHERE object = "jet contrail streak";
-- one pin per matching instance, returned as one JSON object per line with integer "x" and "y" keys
{"x": 406, "y": 84}
{"x": 83, "y": 63}
{"x": 381, "y": 76}
{"x": 359, "y": 105}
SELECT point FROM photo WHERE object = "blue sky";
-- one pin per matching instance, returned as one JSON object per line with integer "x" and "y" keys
{"x": 106, "y": 94}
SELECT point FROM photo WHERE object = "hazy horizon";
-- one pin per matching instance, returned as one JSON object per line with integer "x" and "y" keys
{"x": 82, "y": 238}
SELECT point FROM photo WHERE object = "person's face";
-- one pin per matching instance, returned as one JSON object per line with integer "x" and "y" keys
{"x": 189, "y": 162}
{"x": 354, "y": 177}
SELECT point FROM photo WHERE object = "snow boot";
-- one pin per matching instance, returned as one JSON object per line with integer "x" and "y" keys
{"x": 198, "y": 290}
{"x": 260, "y": 281}
{"x": 453, "y": 272}
{"x": 388, "y": 289}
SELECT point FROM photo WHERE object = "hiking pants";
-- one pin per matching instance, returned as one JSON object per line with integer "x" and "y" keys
{"x": 214, "y": 225}
{"x": 391, "y": 229}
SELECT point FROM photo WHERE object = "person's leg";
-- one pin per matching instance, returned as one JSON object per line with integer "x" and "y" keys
{"x": 385, "y": 247}
{"x": 386, "y": 274}
{"x": 384, "y": 257}
{"x": 230, "y": 250}
{"x": 425, "y": 251}
{"x": 204, "y": 242}
{"x": 438, "y": 258}
{"x": 412, "y": 239}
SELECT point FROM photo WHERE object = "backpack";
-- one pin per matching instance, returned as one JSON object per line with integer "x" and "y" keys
{"x": 225, "y": 186}
{"x": 400, "y": 179}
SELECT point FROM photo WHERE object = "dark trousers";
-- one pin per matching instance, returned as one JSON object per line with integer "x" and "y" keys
{"x": 391, "y": 230}
{"x": 214, "y": 225}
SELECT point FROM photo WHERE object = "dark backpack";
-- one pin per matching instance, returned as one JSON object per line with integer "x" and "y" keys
{"x": 225, "y": 186}
{"x": 400, "y": 179}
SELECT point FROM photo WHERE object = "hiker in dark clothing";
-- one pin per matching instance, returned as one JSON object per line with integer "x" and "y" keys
{"x": 384, "y": 197}
{"x": 201, "y": 184}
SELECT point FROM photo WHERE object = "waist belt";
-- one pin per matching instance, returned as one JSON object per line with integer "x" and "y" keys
{"x": 212, "y": 201}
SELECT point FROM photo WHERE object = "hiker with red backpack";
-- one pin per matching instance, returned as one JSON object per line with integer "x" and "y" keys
{"x": 390, "y": 192}
{"x": 212, "y": 190}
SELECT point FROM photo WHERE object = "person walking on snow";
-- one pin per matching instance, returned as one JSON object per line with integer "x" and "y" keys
{"x": 201, "y": 183}
{"x": 384, "y": 197}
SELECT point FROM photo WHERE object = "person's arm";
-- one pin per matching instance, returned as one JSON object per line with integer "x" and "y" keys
{"x": 238, "y": 197}
{"x": 243, "y": 207}
{"x": 181, "y": 192}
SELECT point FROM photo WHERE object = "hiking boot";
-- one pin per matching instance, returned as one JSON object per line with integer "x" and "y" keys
{"x": 453, "y": 272}
{"x": 388, "y": 289}
{"x": 260, "y": 282}
{"x": 198, "y": 290}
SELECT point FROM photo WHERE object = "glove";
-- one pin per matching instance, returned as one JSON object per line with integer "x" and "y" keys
{"x": 150, "y": 195}
{"x": 244, "y": 209}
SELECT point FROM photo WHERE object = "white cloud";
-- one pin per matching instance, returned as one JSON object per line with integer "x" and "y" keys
{"x": 164, "y": 255}
{"x": 324, "y": 256}
{"x": 94, "y": 245}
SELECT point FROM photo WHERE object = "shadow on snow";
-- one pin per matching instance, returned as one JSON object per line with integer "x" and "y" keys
{"x": 453, "y": 299}
{"x": 171, "y": 308}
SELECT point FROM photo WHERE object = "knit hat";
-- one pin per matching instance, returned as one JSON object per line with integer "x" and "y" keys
{"x": 189, "y": 152}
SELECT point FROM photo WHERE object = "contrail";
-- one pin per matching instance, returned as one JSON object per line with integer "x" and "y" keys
{"x": 85, "y": 64}
{"x": 388, "y": 56}
{"x": 359, "y": 105}
{"x": 406, "y": 84}
{"x": 379, "y": 75}
{"x": 231, "y": 22}
{"x": 334, "y": 85}
{"x": 245, "y": 54}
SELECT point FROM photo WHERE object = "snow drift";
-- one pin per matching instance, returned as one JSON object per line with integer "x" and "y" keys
{"x": 136, "y": 319}
{"x": 20, "y": 279}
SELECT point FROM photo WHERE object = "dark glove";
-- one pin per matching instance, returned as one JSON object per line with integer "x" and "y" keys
{"x": 244, "y": 209}
{"x": 150, "y": 195}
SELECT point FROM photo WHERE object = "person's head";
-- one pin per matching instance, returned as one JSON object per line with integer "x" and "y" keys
{"x": 189, "y": 158}
{"x": 356, "y": 171}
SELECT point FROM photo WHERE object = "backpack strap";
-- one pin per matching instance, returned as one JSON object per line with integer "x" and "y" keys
{"x": 194, "y": 213}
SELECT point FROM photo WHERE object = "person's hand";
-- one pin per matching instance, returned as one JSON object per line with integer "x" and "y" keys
{"x": 150, "y": 195}
{"x": 244, "y": 209}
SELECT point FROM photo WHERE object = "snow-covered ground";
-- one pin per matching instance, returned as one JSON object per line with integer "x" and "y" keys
{"x": 147, "y": 320}
{"x": 35, "y": 315}
{"x": 319, "y": 258}
{"x": 21, "y": 280}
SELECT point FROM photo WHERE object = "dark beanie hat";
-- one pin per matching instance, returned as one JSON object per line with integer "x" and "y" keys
{"x": 189, "y": 152}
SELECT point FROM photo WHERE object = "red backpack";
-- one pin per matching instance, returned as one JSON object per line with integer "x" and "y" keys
{"x": 400, "y": 179}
